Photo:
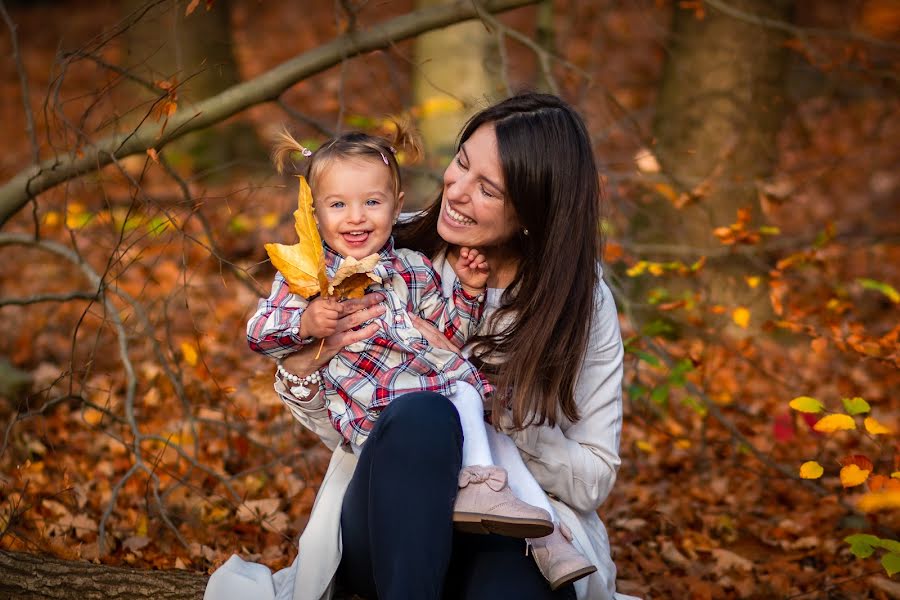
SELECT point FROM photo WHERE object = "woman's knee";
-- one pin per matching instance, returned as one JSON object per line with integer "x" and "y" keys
{"x": 426, "y": 414}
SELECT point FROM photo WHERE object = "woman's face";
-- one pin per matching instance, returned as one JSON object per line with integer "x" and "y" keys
{"x": 474, "y": 208}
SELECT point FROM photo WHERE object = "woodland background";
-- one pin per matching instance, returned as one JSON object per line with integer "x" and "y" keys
{"x": 749, "y": 155}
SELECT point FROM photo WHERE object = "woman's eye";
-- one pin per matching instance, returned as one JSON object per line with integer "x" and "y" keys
{"x": 486, "y": 192}
{"x": 460, "y": 163}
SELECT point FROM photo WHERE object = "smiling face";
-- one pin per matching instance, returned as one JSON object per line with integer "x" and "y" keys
{"x": 356, "y": 205}
{"x": 474, "y": 208}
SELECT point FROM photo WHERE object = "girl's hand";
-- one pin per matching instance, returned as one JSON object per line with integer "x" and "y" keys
{"x": 434, "y": 335}
{"x": 352, "y": 314}
{"x": 472, "y": 270}
{"x": 320, "y": 318}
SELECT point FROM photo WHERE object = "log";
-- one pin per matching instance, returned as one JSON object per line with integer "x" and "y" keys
{"x": 31, "y": 577}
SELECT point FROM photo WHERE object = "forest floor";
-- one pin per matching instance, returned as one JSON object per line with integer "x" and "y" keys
{"x": 698, "y": 511}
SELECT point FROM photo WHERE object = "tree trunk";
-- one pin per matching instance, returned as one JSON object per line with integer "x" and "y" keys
{"x": 719, "y": 110}
{"x": 196, "y": 51}
{"x": 455, "y": 75}
{"x": 27, "y": 577}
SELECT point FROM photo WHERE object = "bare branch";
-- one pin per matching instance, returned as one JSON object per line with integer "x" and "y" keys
{"x": 265, "y": 88}
{"x": 38, "y": 298}
{"x": 23, "y": 81}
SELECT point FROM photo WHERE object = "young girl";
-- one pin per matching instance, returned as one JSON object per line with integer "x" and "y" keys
{"x": 355, "y": 181}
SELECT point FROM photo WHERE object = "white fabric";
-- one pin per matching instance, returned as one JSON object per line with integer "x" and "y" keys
{"x": 575, "y": 463}
{"x": 467, "y": 401}
{"x": 520, "y": 480}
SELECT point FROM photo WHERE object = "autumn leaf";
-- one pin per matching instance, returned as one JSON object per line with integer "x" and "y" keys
{"x": 302, "y": 264}
{"x": 874, "y": 427}
{"x": 805, "y": 404}
{"x": 344, "y": 284}
{"x": 862, "y": 545}
{"x": 741, "y": 317}
{"x": 811, "y": 470}
{"x": 852, "y": 475}
{"x": 859, "y": 460}
{"x": 855, "y": 406}
{"x": 876, "y": 501}
{"x": 189, "y": 352}
{"x": 833, "y": 423}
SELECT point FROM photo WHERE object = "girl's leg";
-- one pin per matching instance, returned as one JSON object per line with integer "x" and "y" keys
{"x": 396, "y": 519}
{"x": 467, "y": 401}
{"x": 521, "y": 481}
{"x": 486, "y": 567}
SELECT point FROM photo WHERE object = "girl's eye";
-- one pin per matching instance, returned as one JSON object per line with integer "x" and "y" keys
{"x": 372, "y": 202}
{"x": 337, "y": 205}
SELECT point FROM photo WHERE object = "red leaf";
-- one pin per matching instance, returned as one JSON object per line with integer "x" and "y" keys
{"x": 857, "y": 459}
{"x": 783, "y": 427}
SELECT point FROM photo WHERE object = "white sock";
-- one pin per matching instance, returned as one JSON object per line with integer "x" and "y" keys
{"x": 522, "y": 483}
{"x": 467, "y": 401}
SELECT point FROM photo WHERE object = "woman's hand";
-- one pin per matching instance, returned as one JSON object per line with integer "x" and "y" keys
{"x": 352, "y": 314}
{"x": 434, "y": 335}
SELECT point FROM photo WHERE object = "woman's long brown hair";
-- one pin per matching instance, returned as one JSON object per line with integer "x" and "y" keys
{"x": 552, "y": 182}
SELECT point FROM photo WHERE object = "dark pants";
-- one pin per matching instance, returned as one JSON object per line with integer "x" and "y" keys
{"x": 396, "y": 520}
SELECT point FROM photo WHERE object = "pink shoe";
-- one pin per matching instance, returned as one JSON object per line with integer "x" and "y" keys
{"x": 485, "y": 504}
{"x": 560, "y": 563}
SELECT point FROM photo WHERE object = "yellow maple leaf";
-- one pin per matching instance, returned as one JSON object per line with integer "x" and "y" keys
{"x": 874, "y": 427}
{"x": 189, "y": 351}
{"x": 833, "y": 423}
{"x": 302, "y": 264}
{"x": 811, "y": 470}
{"x": 852, "y": 475}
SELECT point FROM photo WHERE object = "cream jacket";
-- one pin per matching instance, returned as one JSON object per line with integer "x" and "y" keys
{"x": 575, "y": 463}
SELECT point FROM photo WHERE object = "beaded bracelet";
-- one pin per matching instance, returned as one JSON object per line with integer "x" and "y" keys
{"x": 300, "y": 387}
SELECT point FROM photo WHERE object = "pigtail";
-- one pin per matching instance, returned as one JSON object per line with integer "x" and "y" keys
{"x": 285, "y": 147}
{"x": 406, "y": 139}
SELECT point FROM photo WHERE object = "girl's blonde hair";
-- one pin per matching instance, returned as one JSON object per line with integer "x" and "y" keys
{"x": 349, "y": 145}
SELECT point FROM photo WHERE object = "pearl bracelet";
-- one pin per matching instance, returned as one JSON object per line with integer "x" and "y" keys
{"x": 300, "y": 385}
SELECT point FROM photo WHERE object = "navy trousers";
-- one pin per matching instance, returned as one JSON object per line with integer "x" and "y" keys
{"x": 396, "y": 519}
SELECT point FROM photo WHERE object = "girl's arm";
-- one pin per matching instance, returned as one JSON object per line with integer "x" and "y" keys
{"x": 310, "y": 411}
{"x": 579, "y": 465}
{"x": 274, "y": 329}
{"x": 458, "y": 317}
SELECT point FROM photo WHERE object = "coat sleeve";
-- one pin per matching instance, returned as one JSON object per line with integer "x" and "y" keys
{"x": 577, "y": 462}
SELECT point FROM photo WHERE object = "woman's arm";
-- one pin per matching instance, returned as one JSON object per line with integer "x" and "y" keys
{"x": 578, "y": 465}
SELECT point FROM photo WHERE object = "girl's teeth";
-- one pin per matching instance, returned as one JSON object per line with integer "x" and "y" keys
{"x": 458, "y": 217}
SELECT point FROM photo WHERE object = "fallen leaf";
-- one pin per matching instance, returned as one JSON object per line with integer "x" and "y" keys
{"x": 741, "y": 317}
{"x": 189, "y": 352}
{"x": 727, "y": 560}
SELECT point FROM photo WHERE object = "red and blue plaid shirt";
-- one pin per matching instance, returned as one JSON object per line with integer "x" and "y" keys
{"x": 364, "y": 377}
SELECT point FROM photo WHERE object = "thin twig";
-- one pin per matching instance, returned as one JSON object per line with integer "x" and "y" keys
{"x": 23, "y": 81}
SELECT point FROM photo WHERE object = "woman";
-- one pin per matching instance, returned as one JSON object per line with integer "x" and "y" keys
{"x": 524, "y": 190}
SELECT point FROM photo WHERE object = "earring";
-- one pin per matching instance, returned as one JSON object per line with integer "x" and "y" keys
{"x": 525, "y": 231}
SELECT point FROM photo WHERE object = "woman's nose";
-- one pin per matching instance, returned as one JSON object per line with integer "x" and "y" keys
{"x": 458, "y": 190}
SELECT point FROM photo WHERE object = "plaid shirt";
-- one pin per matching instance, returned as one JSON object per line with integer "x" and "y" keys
{"x": 364, "y": 377}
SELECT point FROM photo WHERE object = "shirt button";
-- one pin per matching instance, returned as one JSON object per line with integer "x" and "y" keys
{"x": 295, "y": 330}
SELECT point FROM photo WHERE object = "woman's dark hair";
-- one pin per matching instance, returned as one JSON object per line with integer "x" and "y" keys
{"x": 545, "y": 316}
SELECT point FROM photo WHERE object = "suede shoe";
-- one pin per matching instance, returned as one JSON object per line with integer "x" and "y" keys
{"x": 485, "y": 504}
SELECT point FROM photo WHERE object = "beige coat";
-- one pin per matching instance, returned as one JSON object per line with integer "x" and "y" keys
{"x": 575, "y": 463}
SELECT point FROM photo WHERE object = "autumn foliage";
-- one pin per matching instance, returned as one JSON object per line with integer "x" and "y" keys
{"x": 760, "y": 453}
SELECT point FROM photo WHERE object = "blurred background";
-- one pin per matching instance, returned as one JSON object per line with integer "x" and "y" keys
{"x": 749, "y": 159}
